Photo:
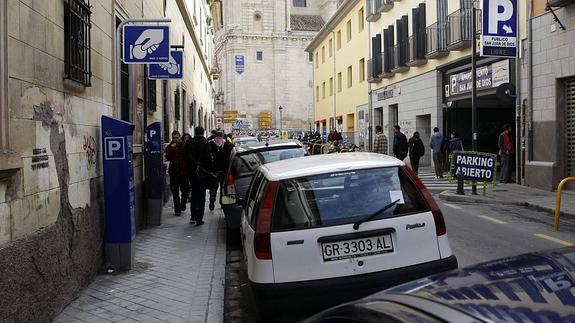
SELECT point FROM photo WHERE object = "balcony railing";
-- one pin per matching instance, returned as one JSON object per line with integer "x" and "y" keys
{"x": 400, "y": 58}
{"x": 459, "y": 29}
{"x": 374, "y": 69}
{"x": 374, "y": 8}
{"x": 387, "y": 64}
{"x": 437, "y": 38}
{"x": 387, "y": 5}
{"x": 416, "y": 50}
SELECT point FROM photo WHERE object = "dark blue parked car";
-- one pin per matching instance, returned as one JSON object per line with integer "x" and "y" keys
{"x": 534, "y": 287}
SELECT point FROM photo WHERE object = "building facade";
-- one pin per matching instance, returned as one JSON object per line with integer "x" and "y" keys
{"x": 261, "y": 60}
{"x": 57, "y": 78}
{"x": 420, "y": 69}
{"x": 547, "y": 111}
{"x": 340, "y": 53}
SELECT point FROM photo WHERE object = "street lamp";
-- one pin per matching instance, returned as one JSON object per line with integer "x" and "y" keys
{"x": 281, "y": 123}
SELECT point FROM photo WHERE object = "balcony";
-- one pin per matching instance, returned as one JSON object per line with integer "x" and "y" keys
{"x": 459, "y": 29}
{"x": 374, "y": 8}
{"x": 400, "y": 57}
{"x": 374, "y": 69}
{"x": 437, "y": 38}
{"x": 387, "y": 65}
{"x": 416, "y": 51}
{"x": 387, "y": 5}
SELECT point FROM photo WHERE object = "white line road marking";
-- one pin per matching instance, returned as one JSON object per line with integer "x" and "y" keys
{"x": 553, "y": 239}
{"x": 488, "y": 218}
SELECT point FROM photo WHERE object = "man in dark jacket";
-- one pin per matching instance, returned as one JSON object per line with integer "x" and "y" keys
{"x": 201, "y": 164}
{"x": 416, "y": 150}
{"x": 221, "y": 151}
{"x": 400, "y": 146}
{"x": 178, "y": 170}
{"x": 506, "y": 150}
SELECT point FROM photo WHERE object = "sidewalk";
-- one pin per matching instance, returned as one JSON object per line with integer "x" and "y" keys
{"x": 179, "y": 276}
{"x": 519, "y": 195}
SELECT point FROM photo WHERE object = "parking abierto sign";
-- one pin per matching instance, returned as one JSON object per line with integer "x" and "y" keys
{"x": 499, "y": 28}
{"x": 474, "y": 166}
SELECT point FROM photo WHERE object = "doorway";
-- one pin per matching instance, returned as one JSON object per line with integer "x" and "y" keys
{"x": 423, "y": 126}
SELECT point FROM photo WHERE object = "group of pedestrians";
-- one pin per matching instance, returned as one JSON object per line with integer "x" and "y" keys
{"x": 197, "y": 164}
{"x": 441, "y": 149}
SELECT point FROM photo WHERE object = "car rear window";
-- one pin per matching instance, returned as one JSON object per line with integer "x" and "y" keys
{"x": 247, "y": 164}
{"x": 345, "y": 197}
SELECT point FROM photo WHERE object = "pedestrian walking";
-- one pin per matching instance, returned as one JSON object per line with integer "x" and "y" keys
{"x": 506, "y": 150}
{"x": 416, "y": 150}
{"x": 221, "y": 151}
{"x": 436, "y": 144}
{"x": 201, "y": 166}
{"x": 400, "y": 146}
{"x": 178, "y": 171}
{"x": 380, "y": 143}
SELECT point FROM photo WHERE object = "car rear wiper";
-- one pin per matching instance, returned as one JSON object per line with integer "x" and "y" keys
{"x": 373, "y": 215}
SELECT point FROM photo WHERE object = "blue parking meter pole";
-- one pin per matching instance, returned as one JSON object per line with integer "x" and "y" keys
{"x": 155, "y": 173}
{"x": 118, "y": 192}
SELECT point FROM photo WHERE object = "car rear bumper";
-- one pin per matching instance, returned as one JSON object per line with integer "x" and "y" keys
{"x": 343, "y": 289}
{"x": 233, "y": 215}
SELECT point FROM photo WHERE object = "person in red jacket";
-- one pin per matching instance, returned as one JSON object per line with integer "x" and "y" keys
{"x": 177, "y": 156}
{"x": 506, "y": 150}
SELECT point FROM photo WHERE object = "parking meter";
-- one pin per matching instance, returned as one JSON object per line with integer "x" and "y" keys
{"x": 118, "y": 192}
{"x": 155, "y": 173}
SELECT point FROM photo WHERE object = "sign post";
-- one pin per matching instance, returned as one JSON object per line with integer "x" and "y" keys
{"x": 473, "y": 167}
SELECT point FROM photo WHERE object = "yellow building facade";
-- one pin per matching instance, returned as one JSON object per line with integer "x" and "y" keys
{"x": 340, "y": 53}
{"x": 419, "y": 71}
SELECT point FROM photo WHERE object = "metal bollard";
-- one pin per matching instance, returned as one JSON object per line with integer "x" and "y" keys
{"x": 460, "y": 190}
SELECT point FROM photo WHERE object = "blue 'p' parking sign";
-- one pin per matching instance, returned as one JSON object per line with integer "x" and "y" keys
{"x": 146, "y": 44}
{"x": 499, "y": 28}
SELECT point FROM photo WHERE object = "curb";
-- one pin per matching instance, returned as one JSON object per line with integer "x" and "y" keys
{"x": 449, "y": 196}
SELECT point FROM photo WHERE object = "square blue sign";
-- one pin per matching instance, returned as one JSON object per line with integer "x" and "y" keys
{"x": 172, "y": 70}
{"x": 146, "y": 44}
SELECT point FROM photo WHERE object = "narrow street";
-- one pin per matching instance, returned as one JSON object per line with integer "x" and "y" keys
{"x": 477, "y": 233}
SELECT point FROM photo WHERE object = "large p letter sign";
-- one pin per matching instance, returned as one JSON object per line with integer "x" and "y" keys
{"x": 499, "y": 32}
{"x": 114, "y": 148}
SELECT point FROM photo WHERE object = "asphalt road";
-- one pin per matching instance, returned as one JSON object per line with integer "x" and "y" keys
{"x": 477, "y": 233}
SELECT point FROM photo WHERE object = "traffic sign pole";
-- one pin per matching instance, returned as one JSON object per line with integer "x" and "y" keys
{"x": 474, "y": 86}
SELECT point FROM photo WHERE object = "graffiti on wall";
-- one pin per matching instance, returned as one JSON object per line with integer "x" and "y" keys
{"x": 91, "y": 150}
{"x": 39, "y": 158}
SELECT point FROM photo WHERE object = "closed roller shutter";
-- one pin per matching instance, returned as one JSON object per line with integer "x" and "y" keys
{"x": 570, "y": 125}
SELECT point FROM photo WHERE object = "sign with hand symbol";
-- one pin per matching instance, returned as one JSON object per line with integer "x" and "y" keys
{"x": 146, "y": 44}
{"x": 172, "y": 70}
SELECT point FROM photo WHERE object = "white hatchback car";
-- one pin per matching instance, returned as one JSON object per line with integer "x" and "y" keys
{"x": 341, "y": 226}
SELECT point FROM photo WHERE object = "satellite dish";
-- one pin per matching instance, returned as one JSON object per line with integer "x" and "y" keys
{"x": 506, "y": 92}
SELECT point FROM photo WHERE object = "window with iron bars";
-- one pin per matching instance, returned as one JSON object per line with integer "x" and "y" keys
{"x": 77, "y": 27}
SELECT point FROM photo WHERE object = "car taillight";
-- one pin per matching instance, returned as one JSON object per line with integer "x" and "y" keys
{"x": 230, "y": 186}
{"x": 440, "y": 228}
{"x": 262, "y": 238}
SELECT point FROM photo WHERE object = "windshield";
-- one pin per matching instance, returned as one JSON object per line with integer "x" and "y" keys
{"x": 345, "y": 197}
{"x": 247, "y": 164}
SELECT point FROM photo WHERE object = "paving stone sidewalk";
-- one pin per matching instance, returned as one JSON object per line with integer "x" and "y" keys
{"x": 179, "y": 276}
{"x": 513, "y": 194}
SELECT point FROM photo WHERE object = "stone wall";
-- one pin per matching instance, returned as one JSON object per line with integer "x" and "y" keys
{"x": 553, "y": 60}
{"x": 51, "y": 208}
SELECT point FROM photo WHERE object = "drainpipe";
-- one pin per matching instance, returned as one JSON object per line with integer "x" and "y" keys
{"x": 369, "y": 91}
{"x": 530, "y": 83}
{"x": 335, "y": 83}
